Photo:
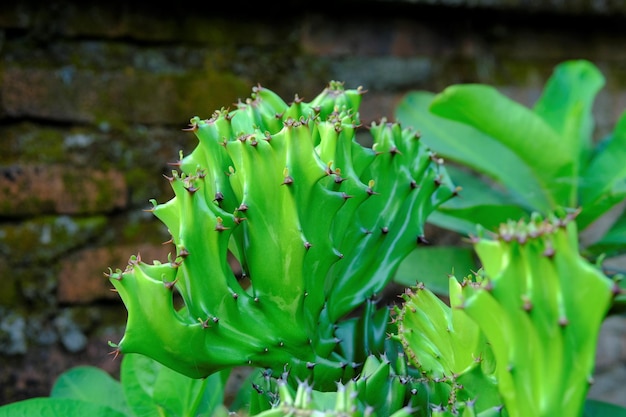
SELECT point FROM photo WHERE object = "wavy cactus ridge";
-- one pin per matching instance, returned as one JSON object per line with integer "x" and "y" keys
{"x": 317, "y": 222}
{"x": 551, "y": 302}
{"x": 536, "y": 302}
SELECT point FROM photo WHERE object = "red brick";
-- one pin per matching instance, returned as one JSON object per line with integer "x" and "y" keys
{"x": 82, "y": 279}
{"x": 43, "y": 189}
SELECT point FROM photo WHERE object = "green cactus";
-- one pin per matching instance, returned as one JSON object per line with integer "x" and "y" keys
{"x": 535, "y": 308}
{"x": 318, "y": 223}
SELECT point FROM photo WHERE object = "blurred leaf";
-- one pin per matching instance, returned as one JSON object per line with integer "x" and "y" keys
{"x": 519, "y": 129}
{"x": 433, "y": 265}
{"x": 471, "y": 148}
{"x": 153, "y": 389}
{"x": 93, "y": 385}
{"x": 56, "y": 407}
{"x": 478, "y": 203}
{"x": 595, "y": 408}
{"x": 566, "y": 105}
{"x": 604, "y": 179}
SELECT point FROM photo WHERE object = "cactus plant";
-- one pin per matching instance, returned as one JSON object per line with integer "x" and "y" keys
{"x": 317, "y": 221}
{"x": 527, "y": 323}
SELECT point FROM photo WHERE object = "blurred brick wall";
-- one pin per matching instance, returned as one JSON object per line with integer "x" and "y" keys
{"x": 94, "y": 97}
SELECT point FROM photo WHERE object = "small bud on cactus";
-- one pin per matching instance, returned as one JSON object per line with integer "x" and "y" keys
{"x": 288, "y": 191}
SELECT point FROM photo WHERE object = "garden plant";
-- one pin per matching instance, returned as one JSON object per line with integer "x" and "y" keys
{"x": 286, "y": 230}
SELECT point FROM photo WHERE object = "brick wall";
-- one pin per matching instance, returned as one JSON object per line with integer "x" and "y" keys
{"x": 94, "y": 97}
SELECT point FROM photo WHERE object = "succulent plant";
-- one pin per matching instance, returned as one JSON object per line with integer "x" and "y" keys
{"x": 317, "y": 222}
{"x": 522, "y": 332}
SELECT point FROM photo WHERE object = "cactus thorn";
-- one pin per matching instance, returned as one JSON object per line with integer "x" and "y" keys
{"x": 204, "y": 323}
{"x": 218, "y": 197}
{"x": 219, "y": 226}
{"x": 235, "y": 296}
{"x": 242, "y": 207}
{"x": 421, "y": 240}
{"x": 549, "y": 252}
{"x": 170, "y": 284}
{"x": 563, "y": 321}
{"x": 310, "y": 365}
{"x": 346, "y": 196}
{"x": 288, "y": 180}
{"x": 394, "y": 151}
{"x": 307, "y": 245}
{"x": 192, "y": 189}
{"x": 239, "y": 219}
{"x": 384, "y": 230}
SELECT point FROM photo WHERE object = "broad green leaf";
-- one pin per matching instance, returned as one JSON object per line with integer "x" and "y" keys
{"x": 92, "y": 385}
{"x": 472, "y": 148}
{"x": 596, "y": 408}
{"x": 154, "y": 389}
{"x": 604, "y": 180}
{"x": 566, "y": 104}
{"x": 56, "y": 407}
{"x": 433, "y": 266}
{"x": 518, "y": 128}
{"x": 478, "y": 203}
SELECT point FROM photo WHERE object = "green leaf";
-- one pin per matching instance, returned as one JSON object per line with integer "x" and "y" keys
{"x": 55, "y": 407}
{"x": 93, "y": 385}
{"x": 519, "y": 129}
{"x": 566, "y": 104}
{"x": 612, "y": 243}
{"x": 433, "y": 265}
{"x": 153, "y": 389}
{"x": 478, "y": 203}
{"x": 471, "y": 148}
{"x": 604, "y": 179}
{"x": 596, "y": 408}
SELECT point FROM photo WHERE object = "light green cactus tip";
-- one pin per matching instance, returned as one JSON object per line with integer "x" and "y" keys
{"x": 526, "y": 325}
{"x": 317, "y": 221}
